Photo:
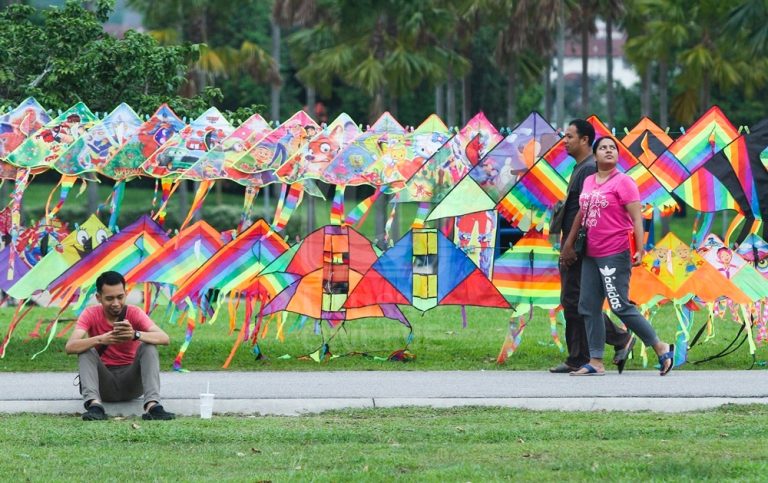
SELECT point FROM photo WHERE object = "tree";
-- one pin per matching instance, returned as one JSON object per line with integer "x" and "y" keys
{"x": 582, "y": 23}
{"x": 62, "y": 56}
{"x": 524, "y": 39}
{"x": 613, "y": 13}
{"x": 385, "y": 49}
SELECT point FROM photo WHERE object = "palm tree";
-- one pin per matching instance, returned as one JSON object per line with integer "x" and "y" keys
{"x": 582, "y": 23}
{"x": 382, "y": 48}
{"x": 525, "y": 38}
{"x": 613, "y": 11}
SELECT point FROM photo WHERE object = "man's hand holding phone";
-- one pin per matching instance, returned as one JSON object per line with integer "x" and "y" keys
{"x": 122, "y": 331}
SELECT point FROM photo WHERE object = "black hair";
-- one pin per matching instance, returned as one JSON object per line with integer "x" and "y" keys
{"x": 109, "y": 278}
{"x": 584, "y": 129}
{"x": 597, "y": 143}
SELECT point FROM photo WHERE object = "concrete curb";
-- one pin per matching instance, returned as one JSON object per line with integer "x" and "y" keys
{"x": 296, "y": 407}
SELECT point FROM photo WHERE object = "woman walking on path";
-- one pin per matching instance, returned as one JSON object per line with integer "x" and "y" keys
{"x": 609, "y": 210}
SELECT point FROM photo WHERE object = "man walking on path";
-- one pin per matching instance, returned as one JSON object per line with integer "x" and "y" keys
{"x": 118, "y": 359}
{"x": 578, "y": 143}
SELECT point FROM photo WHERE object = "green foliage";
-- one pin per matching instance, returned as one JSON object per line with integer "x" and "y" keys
{"x": 62, "y": 56}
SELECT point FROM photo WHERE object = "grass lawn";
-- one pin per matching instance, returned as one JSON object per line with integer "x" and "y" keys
{"x": 440, "y": 343}
{"x": 412, "y": 444}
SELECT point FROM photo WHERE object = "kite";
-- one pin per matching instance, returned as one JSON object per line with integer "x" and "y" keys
{"x": 323, "y": 270}
{"x": 425, "y": 269}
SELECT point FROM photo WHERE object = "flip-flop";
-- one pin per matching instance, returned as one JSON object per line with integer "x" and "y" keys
{"x": 562, "y": 369}
{"x": 622, "y": 355}
{"x": 591, "y": 371}
{"x": 667, "y": 356}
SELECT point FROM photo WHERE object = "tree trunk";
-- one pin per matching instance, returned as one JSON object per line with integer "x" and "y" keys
{"x": 663, "y": 94}
{"x": 440, "y": 101}
{"x": 705, "y": 93}
{"x": 395, "y": 222}
{"x": 609, "y": 70}
{"x": 93, "y": 197}
{"x": 381, "y": 221}
{"x": 183, "y": 194}
{"x": 275, "y": 90}
{"x": 645, "y": 94}
{"x": 548, "y": 89}
{"x": 450, "y": 99}
{"x": 310, "y": 214}
{"x": 511, "y": 97}
{"x": 585, "y": 70}
{"x": 311, "y": 101}
{"x": 393, "y": 106}
{"x": 377, "y": 109}
{"x": 199, "y": 214}
{"x": 466, "y": 99}
{"x": 560, "y": 86}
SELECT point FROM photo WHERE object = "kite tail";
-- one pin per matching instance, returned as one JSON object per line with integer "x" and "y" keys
{"x": 245, "y": 217}
{"x": 359, "y": 213}
{"x": 117, "y": 202}
{"x": 22, "y": 180}
{"x": 169, "y": 187}
{"x": 236, "y": 345}
{"x": 299, "y": 324}
{"x": 701, "y": 226}
{"x": 337, "y": 207}
{"x": 197, "y": 203}
{"x": 51, "y": 331}
{"x": 683, "y": 334}
{"x": 388, "y": 226}
{"x": 185, "y": 345}
{"x": 513, "y": 339}
{"x": 280, "y": 324}
{"x": 463, "y": 316}
{"x": 737, "y": 220}
{"x": 65, "y": 183}
{"x": 289, "y": 201}
{"x": 421, "y": 215}
{"x": 748, "y": 323}
{"x": 18, "y": 316}
{"x": 553, "y": 314}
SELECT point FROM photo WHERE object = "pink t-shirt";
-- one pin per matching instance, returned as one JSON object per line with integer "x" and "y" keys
{"x": 607, "y": 220}
{"x": 94, "y": 322}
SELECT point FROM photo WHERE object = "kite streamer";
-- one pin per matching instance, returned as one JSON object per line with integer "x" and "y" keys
{"x": 117, "y": 201}
{"x": 421, "y": 215}
{"x": 357, "y": 216}
{"x": 289, "y": 201}
{"x": 65, "y": 183}
{"x": 245, "y": 217}
{"x": 197, "y": 202}
{"x": 337, "y": 208}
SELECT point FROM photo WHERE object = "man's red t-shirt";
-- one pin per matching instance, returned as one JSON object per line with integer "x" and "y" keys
{"x": 94, "y": 321}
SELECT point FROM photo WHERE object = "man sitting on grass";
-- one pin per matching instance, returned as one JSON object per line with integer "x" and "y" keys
{"x": 118, "y": 361}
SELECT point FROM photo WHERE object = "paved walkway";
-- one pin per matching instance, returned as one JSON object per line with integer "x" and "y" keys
{"x": 292, "y": 393}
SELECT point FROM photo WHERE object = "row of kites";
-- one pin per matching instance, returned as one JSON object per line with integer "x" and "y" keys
{"x": 461, "y": 180}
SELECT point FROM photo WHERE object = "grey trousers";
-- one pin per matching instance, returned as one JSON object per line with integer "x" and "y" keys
{"x": 608, "y": 277}
{"x": 121, "y": 383}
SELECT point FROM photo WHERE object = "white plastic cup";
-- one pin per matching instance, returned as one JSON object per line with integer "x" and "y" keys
{"x": 206, "y": 405}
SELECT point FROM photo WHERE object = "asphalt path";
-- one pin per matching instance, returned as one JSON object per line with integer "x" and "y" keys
{"x": 293, "y": 393}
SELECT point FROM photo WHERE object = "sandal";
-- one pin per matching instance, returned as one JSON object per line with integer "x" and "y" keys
{"x": 622, "y": 355}
{"x": 667, "y": 356}
{"x": 591, "y": 371}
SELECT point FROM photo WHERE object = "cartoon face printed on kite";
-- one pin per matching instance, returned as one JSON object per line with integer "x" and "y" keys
{"x": 87, "y": 240}
{"x": 36, "y": 241}
{"x": 755, "y": 251}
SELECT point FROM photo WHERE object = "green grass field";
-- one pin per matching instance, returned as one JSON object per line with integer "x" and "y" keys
{"x": 407, "y": 444}
{"x": 439, "y": 343}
